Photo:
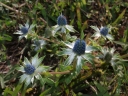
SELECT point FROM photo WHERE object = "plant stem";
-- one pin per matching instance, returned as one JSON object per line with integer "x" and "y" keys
{"x": 124, "y": 56}
{"x": 64, "y": 72}
{"x": 112, "y": 80}
{"x": 8, "y": 7}
{"x": 46, "y": 39}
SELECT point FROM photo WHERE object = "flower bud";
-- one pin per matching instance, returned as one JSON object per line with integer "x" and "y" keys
{"x": 108, "y": 57}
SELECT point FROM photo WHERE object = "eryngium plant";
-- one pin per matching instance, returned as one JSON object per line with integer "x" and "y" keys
{"x": 78, "y": 50}
{"x": 103, "y": 31}
{"x": 25, "y": 30}
{"x": 62, "y": 25}
{"x": 32, "y": 70}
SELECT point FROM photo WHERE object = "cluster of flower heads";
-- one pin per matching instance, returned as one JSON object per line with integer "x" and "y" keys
{"x": 78, "y": 50}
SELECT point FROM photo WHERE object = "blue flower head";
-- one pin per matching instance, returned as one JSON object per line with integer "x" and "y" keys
{"x": 62, "y": 26}
{"x": 24, "y": 30}
{"x": 79, "y": 47}
{"x": 61, "y": 20}
{"x": 29, "y": 69}
{"x": 104, "y": 31}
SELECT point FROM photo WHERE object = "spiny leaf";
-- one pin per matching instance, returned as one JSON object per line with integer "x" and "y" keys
{"x": 85, "y": 25}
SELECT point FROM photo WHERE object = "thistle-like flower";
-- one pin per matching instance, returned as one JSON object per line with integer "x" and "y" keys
{"x": 32, "y": 70}
{"x": 116, "y": 61}
{"x": 78, "y": 50}
{"x": 103, "y": 31}
{"x": 108, "y": 56}
{"x": 38, "y": 44}
{"x": 24, "y": 30}
{"x": 62, "y": 25}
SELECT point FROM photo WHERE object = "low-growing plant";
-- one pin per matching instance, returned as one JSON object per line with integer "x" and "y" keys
{"x": 65, "y": 55}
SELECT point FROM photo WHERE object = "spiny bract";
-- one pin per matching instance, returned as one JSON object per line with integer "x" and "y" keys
{"x": 29, "y": 69}
{"x": 79, "y": 47}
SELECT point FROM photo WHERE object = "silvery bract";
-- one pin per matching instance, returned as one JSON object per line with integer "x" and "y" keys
{"x": 32, "y": 70}
{"x": 38, "y": 44}
{"x": 108, "y": 56}
{"x": 103, "y": 31}
{"x": 78, "y": 50}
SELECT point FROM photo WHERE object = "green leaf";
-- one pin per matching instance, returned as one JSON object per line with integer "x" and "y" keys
{"x": 7, "y": 91}
{"x": 119, "y": 17}
{"x": 68, "y": 78}
{"x": 89, "y": 58}
{"x": 83, "y": 2}
{"x": 48, "y": 32}
{"x": 121, "y": 43}
{"x": 46, "y": 92}
{"x": 17, "y": 89}
{"x": 85, "y": 25}
{"x": 118, "y": 89}
{"x": 50, "y": 81}
{"x": 82, "y": 35}
{"x": 125, "y": 37}
{"x": 102, "y": 90}
{"x": 42, "y": 80}
{"x": 2, "y": 82}
{"x": 11, "y": 71}
{"x": 7, "y": 37}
